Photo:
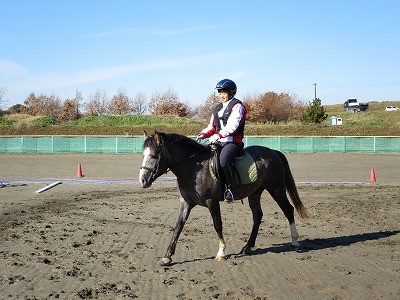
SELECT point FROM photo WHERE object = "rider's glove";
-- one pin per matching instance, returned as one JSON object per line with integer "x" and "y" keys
{"x": 199, "y": 137}
{"x": 212, "y": 139}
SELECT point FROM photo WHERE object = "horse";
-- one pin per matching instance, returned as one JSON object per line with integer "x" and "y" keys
{"x": 189, "y": 161}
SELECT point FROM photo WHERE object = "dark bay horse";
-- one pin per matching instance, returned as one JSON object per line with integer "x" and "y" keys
{"x": 189, "y": 161}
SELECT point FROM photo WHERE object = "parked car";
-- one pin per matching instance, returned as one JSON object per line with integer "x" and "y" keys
{"x": 391, "y": 108}
{"x": 352, "y": 105}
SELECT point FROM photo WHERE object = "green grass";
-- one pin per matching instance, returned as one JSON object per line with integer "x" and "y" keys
{"x": 6, "y": 122}
{"x": 43, "y": 122}
{"x": 375, "y": 122}
{"x": 375, "y": 116}
{"x": 130, "y": 121}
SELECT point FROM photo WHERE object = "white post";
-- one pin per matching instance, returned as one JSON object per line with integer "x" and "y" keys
{"x": 374, "y": 144}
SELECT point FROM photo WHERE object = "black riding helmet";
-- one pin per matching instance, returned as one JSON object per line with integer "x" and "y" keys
{"x": 227, "y": 84}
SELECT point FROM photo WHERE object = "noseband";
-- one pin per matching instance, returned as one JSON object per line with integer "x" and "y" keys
{"x": 155, "y": 171}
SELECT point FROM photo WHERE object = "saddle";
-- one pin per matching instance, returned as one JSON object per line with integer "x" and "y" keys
{"x": 246, "y": 169}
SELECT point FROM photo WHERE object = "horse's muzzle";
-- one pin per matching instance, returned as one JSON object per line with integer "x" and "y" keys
{"x": 145, "y": 183}
{"x": 145, "y": 179}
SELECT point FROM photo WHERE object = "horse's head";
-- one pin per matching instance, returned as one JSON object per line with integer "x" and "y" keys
{"x": 154, "y": 159}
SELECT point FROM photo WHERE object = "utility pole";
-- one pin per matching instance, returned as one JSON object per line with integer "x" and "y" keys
{"x": 315, "y": 90}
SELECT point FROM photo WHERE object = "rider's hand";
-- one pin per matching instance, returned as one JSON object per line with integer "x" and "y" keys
{"x": 212, "y": 139}
{"x": 199, "y": 137}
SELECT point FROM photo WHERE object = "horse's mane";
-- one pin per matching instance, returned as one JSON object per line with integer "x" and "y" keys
{"x": 175, "y": 138}
{"x": 172, "y": 138}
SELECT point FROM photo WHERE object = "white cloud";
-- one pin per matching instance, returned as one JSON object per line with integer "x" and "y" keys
{"x": 59, "y": 81}
{"x": 164, "y": 32}
{"x": 177, "y": 31}
{"x": 54, "y": 80}
{"x": 113, "y": 32}
{"x": 11, "y": 69}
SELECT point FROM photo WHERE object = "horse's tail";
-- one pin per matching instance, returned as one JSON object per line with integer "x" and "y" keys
{"x": 291, "y": 188}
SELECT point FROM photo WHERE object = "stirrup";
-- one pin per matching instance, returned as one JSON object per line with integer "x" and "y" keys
{"x": 228, "y": 196}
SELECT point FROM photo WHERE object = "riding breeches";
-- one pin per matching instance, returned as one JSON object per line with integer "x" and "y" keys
{"x": 228, "y": 154}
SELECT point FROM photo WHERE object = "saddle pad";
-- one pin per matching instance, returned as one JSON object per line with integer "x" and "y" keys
{"x": 246, "y": 168}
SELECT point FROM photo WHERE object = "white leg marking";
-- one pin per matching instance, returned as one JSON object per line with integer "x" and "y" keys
{"x": 294, "y": 235}
{"x": 221, "y": 251}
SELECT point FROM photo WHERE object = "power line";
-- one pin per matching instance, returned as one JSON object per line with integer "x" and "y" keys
{"x": 359, "y": 85}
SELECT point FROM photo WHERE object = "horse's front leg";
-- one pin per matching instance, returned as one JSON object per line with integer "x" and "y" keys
{"x": 215, "y": 210}
{"x": 184, "y": 211}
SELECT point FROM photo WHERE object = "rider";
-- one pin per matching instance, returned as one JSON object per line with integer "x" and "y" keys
{"x": 226, "y": 128}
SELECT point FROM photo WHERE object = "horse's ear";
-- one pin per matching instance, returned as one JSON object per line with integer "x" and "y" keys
{"x": 146, "y": 135}
{"x": 158, "y": 138}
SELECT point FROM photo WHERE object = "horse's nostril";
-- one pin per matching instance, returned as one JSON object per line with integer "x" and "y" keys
{"x": 144, "y": 182}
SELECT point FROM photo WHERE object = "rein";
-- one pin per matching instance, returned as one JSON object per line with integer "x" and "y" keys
{"x": 191, "y": 156}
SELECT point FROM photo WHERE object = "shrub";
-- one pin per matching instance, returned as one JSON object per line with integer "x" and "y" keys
{"x": 315, "y": 113}
{"x": 44, "y": 122}
{"x": 6, "y": 122}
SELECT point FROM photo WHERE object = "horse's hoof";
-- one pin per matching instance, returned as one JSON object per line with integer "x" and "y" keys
{"x": 166, "y": 261}
{"x": 220, "y": 258}
{"x": 296, "y": 247}
{"x": 246, "y": 250}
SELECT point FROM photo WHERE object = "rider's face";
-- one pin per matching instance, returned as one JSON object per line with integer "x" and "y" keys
{"x": 223, "y": 95}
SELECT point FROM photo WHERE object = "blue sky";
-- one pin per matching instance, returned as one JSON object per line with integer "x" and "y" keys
{"x": 350, "y": 49}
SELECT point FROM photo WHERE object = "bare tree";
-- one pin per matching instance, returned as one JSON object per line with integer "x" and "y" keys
{"x": 68, "y": 111}
{"x": 174, "y": 108}
{"x": 98, "y": 104}
{"x": 42, "y": 105}
{"x": 168, "y": 104}
{"x": 78, "y": 101}
{"x": 32, "y": 105}
{"x": 139, "y": 106}
{"x": 155, "y": 100}
{"x": 273, "y": 107}
{"x": 161, "y": 98}
{"x": 120, "y": 104}
{"x": 204, "y": 111}
{"x": 52, "y": 106}
{"x": 16, "y": 109}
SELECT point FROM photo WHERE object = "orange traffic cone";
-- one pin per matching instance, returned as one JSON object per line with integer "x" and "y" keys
{"x": 372, "y": 177}
{"x": 79, "y": 172}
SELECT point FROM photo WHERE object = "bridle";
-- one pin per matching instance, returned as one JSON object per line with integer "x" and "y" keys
{"x": 155, "y": 170}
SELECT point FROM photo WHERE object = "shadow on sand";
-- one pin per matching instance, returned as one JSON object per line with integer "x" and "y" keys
{"x": 308, "y": 245}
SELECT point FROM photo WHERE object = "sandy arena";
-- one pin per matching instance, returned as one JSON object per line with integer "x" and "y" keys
{"x": 102, "y": 236}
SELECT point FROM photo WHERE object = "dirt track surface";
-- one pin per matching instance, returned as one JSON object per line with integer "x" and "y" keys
{"x": 102, "y": 236}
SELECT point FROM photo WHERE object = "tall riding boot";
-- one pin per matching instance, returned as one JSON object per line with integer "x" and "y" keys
{"x": 229, "y": 193}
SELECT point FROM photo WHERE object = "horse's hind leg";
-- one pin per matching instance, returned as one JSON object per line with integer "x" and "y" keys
{"x": 255, "y": 206}
{"x": 279, "y": 195}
